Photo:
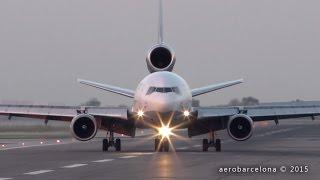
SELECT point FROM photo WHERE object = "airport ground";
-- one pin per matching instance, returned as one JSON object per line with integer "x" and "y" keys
{"x": 292, "y": 143}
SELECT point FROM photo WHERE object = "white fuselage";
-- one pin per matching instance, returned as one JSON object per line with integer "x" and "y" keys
{"x": 162, "y": 95}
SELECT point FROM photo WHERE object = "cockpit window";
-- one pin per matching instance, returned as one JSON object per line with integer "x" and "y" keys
{"x": 167, "y": 89}
{"x": 163, "y": 90}
{"x": 159, "y": 89}
{"x": 151, "y": 90}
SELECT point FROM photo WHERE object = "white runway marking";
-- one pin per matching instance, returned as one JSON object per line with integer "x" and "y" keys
{"x": 103, "y": 160}
{"x": 182, "y": 148}
{"x": 38, "y": 172}
{"x": 38, "y": 145}
{"x": 275, "y": 132}
{"x": 74, "y": 165}
{"x": 197, "y": 145}
{"x": 5, "y": 178}
{"x": 127, "y": 157}
{"x": 147, "y": 153}
{"x": 142, "y": 153}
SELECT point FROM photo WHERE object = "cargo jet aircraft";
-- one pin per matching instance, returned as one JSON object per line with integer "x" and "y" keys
{"x": 163, "y": 102}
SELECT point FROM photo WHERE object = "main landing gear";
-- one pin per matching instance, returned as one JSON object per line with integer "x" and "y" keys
{"x": 109, "y": 142}
{"x": 212, "y": 142}
{"x": 161, "y": 146}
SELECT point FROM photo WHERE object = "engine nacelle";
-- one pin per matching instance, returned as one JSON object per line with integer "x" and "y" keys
{"x": 160, "y": 58}
{"x": 84, "y": 127}
{"x": 240, "y": 127}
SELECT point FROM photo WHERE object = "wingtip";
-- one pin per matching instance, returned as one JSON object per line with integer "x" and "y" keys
{"x": 79, "y": 80}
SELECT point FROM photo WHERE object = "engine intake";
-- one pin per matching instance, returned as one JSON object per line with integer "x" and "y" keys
{"x": 240, "y": 127}
{"x": 84, "y": 127}
{"x": 160, "y": 58}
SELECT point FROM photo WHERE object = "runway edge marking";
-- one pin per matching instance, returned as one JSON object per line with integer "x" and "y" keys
{"x": 37, "y": 145}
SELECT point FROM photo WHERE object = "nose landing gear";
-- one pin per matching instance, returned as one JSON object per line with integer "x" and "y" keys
{"x": 161, "y": 146}
{"x": 110, "y": 142}
{"x": 211, "y": 143}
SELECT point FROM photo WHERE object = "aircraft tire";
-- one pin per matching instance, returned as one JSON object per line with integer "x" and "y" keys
{"x": 105, "y": 145}
{"x": 205, "y": 145}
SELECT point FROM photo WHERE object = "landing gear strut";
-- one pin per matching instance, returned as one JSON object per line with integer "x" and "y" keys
{"x": 160, "y": 146}
{"x": 212, "y": 142}
{"x": 108, "y": 142}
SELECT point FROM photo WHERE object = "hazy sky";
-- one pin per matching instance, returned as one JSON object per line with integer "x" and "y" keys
{"x": 46, "y": 44}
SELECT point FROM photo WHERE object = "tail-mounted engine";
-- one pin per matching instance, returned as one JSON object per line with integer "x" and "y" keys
{"x": 160, "y": 58}
{"x": 84, "y": 127}
{"x": 240, "y": 127}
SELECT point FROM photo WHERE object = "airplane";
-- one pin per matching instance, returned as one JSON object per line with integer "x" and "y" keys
{"x": 162, "y": 102}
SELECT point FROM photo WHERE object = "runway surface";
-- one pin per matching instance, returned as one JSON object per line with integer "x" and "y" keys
{"x": 288, "y": 144}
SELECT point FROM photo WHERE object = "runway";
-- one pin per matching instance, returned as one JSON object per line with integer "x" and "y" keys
{"x": 271, "y": 146}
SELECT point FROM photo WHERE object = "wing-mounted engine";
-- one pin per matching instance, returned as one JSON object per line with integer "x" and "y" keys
{"x": 160, "y": 58}
{"x": 84, "y": 127}
{"x": 240, "y": 127}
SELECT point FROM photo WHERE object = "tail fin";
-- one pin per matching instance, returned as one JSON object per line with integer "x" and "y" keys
{"x": 160, "y": 30}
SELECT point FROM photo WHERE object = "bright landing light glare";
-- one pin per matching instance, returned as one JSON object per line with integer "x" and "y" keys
{"x": 140, "y": 113}
{"x": 165, "y": 131}
{"x": 186, "y": 113}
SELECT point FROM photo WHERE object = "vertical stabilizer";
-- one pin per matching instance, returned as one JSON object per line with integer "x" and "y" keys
{"x": 160, "y": 30}
{"x": 160, "y": 57}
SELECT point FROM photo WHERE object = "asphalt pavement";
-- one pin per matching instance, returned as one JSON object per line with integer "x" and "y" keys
{"x": 287, "y": 151}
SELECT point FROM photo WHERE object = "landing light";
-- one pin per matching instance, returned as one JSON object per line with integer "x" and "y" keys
{"x": 186, "y": 113}
{"x": 140, "y": 113}
{"x": 165, "y": 131}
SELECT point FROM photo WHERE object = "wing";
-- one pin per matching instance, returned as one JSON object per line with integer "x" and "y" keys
{"x": 116, "y": 118}
{"x": 216, "y": 118}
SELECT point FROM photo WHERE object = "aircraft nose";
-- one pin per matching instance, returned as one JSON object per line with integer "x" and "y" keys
{"x": 165, "y": 103}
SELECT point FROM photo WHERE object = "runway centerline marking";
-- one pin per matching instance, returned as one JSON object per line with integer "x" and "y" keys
{"x": 197, "y": 145}
{"x": 127, "y": 157}
{"x": 74, "y": 165}
{"x": 38, "y": 172}
{"x": 5, "y": 178}
{"x": 102, "y": 160}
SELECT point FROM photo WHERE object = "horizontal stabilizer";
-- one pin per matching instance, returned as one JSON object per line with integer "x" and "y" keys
{"x": 106, "y": 87}
{"x": 214, "y": 87}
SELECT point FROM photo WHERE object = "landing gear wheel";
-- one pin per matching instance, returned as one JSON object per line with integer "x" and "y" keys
{"x": 165, "y": 145}
{"x": 105, "y": 145}
{"x": 205, "y": 145}
{"x": 218, "y": 145}
{"x": 157, "y": 145}
{"x": 117, "y": 145}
